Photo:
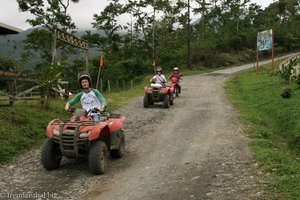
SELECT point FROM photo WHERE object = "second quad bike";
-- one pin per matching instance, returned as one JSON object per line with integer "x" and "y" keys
{"x": 80, "y": 136}
{"x": 155, "y": 93}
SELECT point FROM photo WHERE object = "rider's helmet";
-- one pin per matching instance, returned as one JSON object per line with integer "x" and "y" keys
{"x": 82, "y": 76}
{"x": 175, "y": 69}
{"x": 158, "y": 69}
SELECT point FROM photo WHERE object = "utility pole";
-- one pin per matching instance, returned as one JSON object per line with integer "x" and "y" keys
{"x": 153, "y": 35}
{"x": 188, "y": 38}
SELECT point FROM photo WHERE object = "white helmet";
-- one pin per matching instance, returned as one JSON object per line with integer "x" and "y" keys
{"x": 175, "y": 68}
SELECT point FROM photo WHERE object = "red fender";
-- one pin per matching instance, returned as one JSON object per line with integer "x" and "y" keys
{"x": 115, "y": 124}
{"x": 172, "y": 89}
{"x": 51, "y": 126}
{"x": 147, "y": 89}
{"x": 166, "y": 90}
{"x": 97, "y": 130}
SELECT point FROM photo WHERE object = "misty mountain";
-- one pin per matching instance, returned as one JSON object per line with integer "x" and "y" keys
{"x": 11, "y": 47}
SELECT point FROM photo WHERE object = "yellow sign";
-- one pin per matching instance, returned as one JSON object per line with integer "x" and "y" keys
{"x": 71, "y": 39}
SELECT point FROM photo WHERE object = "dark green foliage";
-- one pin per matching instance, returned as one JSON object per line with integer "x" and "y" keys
{"x": 7, "y": 64}
{"x": 38, "y": 43}
{"x": 48, "y": 77}
{"x": 287, "y": 71}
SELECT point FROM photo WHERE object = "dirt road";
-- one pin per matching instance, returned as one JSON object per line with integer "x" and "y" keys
{"x": 194, "y": 150}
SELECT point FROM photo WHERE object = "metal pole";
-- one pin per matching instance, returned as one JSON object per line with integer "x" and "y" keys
{"x": 273, "y": 51}
{"x": 98, "y": 78}
{"x": 53, "y": 46}
{"x": 257, "y": 62}
{"x": 108, "y": 85}
{"x": 87, "y": 60}
{"x": 188, "y": 38}
{"x": 153, "y": 41}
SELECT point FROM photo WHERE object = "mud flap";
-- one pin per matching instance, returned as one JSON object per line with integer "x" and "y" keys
{"x": 115, "y": 138}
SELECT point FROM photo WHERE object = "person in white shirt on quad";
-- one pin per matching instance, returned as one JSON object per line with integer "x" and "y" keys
{"x": 159, "y": 79}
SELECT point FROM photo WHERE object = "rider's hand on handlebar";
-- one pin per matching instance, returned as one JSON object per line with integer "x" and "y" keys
{"x": 94, "y": 110}
{"x": 67, "y": 107}
{"x": 102, "y": 109}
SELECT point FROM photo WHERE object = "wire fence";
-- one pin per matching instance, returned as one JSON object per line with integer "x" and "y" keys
{"x": 116, "y": 85}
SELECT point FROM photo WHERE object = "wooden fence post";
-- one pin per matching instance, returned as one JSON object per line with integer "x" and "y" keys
{"x": 108, "y": 86}
{"x": 12, "y": 92}
{"x": 43, "y": 99}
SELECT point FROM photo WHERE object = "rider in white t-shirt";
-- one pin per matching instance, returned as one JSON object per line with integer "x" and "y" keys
{"x": 159, "y": 79}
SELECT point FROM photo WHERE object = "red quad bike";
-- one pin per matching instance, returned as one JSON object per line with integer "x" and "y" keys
{"x": 80, "y": 136}
{"x": 175, "y": 86}
{"x": 158, "y": 94}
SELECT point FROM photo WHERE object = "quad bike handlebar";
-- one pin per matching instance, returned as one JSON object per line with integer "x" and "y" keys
{"x": 95, "y": 110}
{"x": 71, "y": 109}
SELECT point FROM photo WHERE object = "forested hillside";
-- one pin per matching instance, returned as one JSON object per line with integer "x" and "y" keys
{"x": 160, "y": 31}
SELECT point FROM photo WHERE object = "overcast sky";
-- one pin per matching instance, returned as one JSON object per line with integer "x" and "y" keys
{"x": 81, "y": 13}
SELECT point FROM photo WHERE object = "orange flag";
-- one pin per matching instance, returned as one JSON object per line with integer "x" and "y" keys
{"x": 101, "y": 61}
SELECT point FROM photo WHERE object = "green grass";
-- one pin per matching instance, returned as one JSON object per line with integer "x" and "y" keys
{"x": 273, "y": 123}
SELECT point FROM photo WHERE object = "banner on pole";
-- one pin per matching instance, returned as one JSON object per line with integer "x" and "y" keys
{"x": 264, "y": 40}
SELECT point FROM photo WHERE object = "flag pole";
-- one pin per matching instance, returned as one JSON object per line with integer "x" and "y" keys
{"x": 257, "y": 60}
{"x": 99, "y": 71}
{"x": 154, "y": 66}
{"x": 273, "y": 51}
{"x": 98, "y": 77}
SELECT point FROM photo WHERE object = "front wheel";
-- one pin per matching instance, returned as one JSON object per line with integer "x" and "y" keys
{"x": 50, "y": 155}
{"x": 118, "y": 153}
{"x": 98, "y": 158}
{"x": 177, "y": 90}
{"x": 167, "y": 101}
{"x": 146, "y": 101}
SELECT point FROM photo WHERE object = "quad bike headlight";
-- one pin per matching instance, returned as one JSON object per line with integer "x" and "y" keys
{"x": 85, "y": 134}
{"x": 56, "y": 132}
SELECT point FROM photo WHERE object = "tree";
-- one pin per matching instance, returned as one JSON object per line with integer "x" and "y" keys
{"x": 107, "y": 22}
{"x": 48, "y": 14}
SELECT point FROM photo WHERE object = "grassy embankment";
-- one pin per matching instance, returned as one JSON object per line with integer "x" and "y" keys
{"x": 273, "y": 123}
{"x": 22, "y": 127}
